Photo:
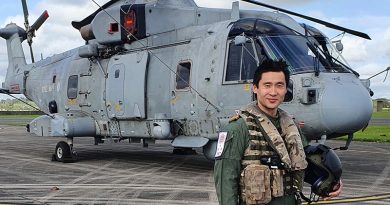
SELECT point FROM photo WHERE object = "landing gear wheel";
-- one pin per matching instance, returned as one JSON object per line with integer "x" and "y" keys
{"x": 64, "y": 152}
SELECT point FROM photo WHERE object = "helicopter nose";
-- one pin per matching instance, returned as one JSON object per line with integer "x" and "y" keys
{"x": 346, "y": 107}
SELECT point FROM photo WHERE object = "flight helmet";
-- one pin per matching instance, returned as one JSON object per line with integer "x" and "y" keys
{"x": 324, "y": 169}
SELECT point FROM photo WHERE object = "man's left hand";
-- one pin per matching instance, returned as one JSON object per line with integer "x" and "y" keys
{"x": 336, "y": 191}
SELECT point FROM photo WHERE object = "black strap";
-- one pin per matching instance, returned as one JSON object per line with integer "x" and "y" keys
{"x": 305, "y": 198}
{"x": 265, "y": 135}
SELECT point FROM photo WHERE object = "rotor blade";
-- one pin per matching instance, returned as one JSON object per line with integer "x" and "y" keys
{"x": 4, "y": 91}
{"x": 38, "y": 23}
{"x": 32, "y": 54}
{"x": 327, "y": 24}
{"x": 25, "y": 11}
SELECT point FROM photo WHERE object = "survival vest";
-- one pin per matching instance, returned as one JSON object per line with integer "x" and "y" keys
{"x": 273, "y": 163}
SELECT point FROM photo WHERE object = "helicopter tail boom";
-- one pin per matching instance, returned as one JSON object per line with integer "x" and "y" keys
{"x": 14, "y": 35}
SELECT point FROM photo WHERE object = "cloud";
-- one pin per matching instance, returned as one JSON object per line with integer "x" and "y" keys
{"x": 56, "y": 35}
{"x": 380, "y": 88}
{"x": 385, "y": 48}
{"x": 355, "y": 49}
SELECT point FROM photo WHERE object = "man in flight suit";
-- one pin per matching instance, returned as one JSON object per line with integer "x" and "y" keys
{"x": 260, "y": 157}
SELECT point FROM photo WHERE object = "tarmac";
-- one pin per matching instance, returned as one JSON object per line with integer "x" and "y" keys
{"x": 123, "y": 173}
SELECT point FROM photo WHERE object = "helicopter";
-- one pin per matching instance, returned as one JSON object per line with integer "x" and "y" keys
{"x": 170, "y": 70}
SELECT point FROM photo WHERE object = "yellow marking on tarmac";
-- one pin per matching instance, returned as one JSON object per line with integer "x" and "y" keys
{"x": 356, "y": 199}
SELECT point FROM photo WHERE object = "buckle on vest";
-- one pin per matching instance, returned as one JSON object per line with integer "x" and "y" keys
{"x": 273, "y": 162}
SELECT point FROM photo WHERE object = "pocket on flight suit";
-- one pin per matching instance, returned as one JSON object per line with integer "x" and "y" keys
{"x": 257, "y": 183}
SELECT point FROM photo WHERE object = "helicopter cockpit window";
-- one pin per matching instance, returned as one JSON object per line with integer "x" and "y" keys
{"x": 183, "y": 75}
{"x": 245, "y": 26}
{"x": 303, "y": 54}
{"x": 72, "y": 86}
{"x": 289, "y": 95}
{"x": 241, "y": 62}
{"x": 295, "y": 50}
{"x": 336, "y": 62}
{"x": 325, "y": 48}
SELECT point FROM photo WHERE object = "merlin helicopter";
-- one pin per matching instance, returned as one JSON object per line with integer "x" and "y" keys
{"x": 170, "y": 70}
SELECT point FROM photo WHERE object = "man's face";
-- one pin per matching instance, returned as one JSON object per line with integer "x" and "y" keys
{"x": 270, "y": 91}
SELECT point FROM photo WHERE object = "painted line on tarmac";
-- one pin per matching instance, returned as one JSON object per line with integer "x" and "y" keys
{"x": 112, "y": 200}
{"x": 107, "y": 186}
{"x": 355, "y": 199}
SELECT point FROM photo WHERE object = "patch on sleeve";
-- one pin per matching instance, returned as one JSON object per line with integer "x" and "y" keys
{"x": 221, "y": 143}
{"x": 234, "y": 118}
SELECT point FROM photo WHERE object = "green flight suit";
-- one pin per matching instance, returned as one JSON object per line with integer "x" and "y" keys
{"x": 227, "y": 168}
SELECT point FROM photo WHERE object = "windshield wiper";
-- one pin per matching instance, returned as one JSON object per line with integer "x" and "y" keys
{"x": 331, "y": 58}
{"x": 347, "y": 67}
{"x": 317, "y": 58}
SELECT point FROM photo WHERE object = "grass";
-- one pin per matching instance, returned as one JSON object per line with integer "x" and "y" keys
{"x": 383, "y": 114}
{"x": 372, "y": 134}
{"x": 18, "y": 116}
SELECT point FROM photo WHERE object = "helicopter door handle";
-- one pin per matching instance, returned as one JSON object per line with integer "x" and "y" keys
{"x": 84, "y": 92}
{"x": 85, "y": 104}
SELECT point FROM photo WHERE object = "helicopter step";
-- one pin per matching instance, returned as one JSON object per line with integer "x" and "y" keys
{"x": 184, "y": 145}
{"x": 184, "y": 151}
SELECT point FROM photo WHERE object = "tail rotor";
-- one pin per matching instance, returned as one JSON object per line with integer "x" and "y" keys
{"x": 30, "y": 30}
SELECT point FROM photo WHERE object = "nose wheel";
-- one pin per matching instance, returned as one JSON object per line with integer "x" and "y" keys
{"x": 64, "y": 153}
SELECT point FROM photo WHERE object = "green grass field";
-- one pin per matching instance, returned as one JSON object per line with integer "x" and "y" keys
{"x": 383, "y": 114}
{"x": 372, "y": 134}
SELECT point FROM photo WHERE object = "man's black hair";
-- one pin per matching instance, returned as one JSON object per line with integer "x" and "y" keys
{"x": 269, "y": 65}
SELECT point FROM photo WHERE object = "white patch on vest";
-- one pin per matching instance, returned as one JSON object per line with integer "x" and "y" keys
{"x": 221, "y": 143}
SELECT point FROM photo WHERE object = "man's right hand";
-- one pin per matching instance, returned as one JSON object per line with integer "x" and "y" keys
{"x": 337, "y": 189}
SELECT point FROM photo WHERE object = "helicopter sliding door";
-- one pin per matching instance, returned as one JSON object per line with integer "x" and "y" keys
{"x": 126, "y": 88}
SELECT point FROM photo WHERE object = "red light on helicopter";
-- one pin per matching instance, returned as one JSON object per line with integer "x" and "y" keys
{"x": 130, "y": 21}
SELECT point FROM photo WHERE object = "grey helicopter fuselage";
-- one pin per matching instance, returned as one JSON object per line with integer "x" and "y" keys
{"x": 184, "y": 78}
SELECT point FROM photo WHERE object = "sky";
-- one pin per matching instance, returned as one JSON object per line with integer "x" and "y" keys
{"x": 367, "y": 57}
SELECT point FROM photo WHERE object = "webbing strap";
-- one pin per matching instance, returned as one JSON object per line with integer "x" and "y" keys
{"x": 261, "y": 129}
{"x": 251, "y": 157}
{"x": 260, "y": 147}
